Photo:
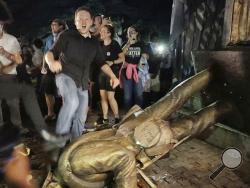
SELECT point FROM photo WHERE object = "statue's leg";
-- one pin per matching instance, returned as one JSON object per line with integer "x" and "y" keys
{"x": 89, "y": 162}
{"x": 179, "y": 95}
{"x": 194, "y": 124}
{"x": 169, "y": 103}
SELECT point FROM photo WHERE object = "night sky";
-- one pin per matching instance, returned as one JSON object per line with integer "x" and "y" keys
{"x": 32, "y": 17}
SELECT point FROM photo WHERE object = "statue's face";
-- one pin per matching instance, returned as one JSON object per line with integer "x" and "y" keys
{"x": 165, "y": 142}
{"x": 147, "y": 134}
{"x": 153, "y": 133}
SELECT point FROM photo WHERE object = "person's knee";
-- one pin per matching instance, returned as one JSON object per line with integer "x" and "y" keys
{"x": 111, "y": 97}
{"x": 66, "y": 85}
{"x": 70, "y": 98}
{"x": 71, "y": 103}
{"x": 28, "y": 91}
{"x": 104, "y": 97}
{"x": 80, "y": 119}
{"x": 138, "y": 92}
{"x": 74, "y": 102}
{"x": 127, "y": 96}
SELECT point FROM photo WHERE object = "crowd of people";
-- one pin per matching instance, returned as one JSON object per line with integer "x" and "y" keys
{"x": 145, "y": 74}
{"x": 75, "y": 65}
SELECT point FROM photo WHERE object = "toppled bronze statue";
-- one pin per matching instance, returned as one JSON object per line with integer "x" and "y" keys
{"x": 143, "y": 136}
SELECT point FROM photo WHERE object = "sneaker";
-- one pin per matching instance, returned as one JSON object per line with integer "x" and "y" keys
{"x": 104, "y": 126}
{"x": 105, "y": 121}
{"x": 24, "y": 131}
{"x": 58, "y": 140}
{"x": 117, "y": 120}
{"x": 50, "y": 117}
{"x": 89, "y": 127}
{"x": 85, "y": 131}
{"x": 101, "y": 121}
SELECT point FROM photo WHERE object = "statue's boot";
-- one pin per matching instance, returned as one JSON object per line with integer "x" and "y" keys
{"x": 196, "y": 123}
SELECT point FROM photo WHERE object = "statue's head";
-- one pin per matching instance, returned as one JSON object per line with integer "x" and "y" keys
{"x": 153, "y": 135}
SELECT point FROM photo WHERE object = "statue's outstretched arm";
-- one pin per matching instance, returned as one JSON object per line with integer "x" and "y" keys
{"x": 171, "y": 102}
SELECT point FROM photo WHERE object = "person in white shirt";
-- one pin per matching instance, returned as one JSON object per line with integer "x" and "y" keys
{"x": 9, "y": 59}
{"x": 10, "y": 89}
{"x": 37, "y": 58}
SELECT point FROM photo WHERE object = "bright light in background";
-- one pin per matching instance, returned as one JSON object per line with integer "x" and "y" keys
{"x": 161, "y": 48}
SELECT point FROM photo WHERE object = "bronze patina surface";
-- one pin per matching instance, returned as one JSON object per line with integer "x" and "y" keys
{"x": 116, "y": 155}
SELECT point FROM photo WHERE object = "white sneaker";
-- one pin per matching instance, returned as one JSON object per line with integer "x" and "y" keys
{"x": 59, "y": 140}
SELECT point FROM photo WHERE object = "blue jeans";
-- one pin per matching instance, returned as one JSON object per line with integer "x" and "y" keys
{"x": 73, "y": 113}
{"x": 133, "y": 92}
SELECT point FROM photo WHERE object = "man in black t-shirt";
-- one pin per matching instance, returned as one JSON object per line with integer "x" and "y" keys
{"x": 71, "y": 57}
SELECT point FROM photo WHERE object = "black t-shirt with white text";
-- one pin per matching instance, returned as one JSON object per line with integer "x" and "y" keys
{"x": 134, "y": 52}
